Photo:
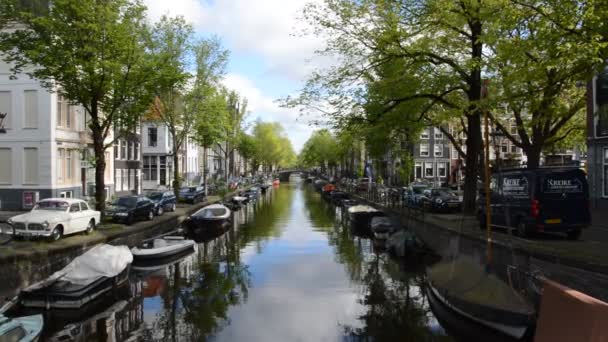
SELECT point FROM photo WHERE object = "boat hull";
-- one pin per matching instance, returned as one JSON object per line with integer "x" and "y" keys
{"x": 164, "y": 254}
{"x": 51, "y": 299}
{"x": 515, "y": 330}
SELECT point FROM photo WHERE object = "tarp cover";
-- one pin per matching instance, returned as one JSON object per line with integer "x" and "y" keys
{"x": 100, "y": 261}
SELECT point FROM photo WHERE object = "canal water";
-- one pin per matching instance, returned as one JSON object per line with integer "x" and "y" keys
{"x": 288, "y": 269}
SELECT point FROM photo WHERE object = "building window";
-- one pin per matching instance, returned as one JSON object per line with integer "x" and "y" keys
{"x": 118, "y": 179}
{"x": 68, "y": 164}
{"x": 136, "y": 147}
{"x": 513, "y": 149}
{"x": 66, "y": 194}
{"x": 438, "y": 150}
{"x": 163, "y": 170}
{"x": 131, "y": 179}
{"x": 418, "y": 170}
{"x": 62, "y": 112}
{"x": 424, "y": 150}
{"x": 504, "y": 148}
{"x": 428, "y": 170}
{"x": 123, "y": 150}
{"x": 424, "y": 134}
{"x": 152, "y": 136}
{"x": 5, "y": 107}
{"x": 60, "y": 164}
{"x": 513, "y": 128}
{"x": 68, "y": 115}
{"x": 116, "y": 149}
{"x": 6, "y": 166}
{"x": 31, "y": 109}
{"x": 438, "y": 134}
{"x": 442, "y": 169}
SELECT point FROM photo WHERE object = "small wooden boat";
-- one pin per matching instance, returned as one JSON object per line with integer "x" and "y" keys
{"x": 162, "y": 248}
{"x": 337, "y": 197}
{"x": 360, "y": 217}
{"x": 276, "y": 182}
{"x": 87, "y": 277}
{"x": 327, "y": 189}
{"x": 150, "y": 265}
{"x": 467, "y": 289}
{"x": 214, "y": 216}
{"x": 251, "y": 194}
{"x": 383, "y": 226}
{"x": 239, "y": 200}
{"x": 22, "y": 329}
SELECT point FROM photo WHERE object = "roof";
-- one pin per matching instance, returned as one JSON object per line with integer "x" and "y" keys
{"x": 67, "y": 200}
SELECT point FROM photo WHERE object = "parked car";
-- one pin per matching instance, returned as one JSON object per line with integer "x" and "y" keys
{"x": 128, "y": 209}
{"x": 441, "y": 199}
{"x": 192, "y": 194}
{"x": 414, "y": 193}
{"x": 538, "y": 200}
{"x": 163, "y": 201}
{"x": 54, "y": 217}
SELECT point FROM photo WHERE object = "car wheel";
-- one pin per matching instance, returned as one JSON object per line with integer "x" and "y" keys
{"x": 151, "y": 215}
{"x": 574, "y": 234}
{"x": 522, "y": 230}
{"x": 90, "y": 227}
{"x": 56, "y": 234}
{"x": 160, "y": 211}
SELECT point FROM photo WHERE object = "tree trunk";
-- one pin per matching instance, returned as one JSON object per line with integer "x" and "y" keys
{"x": 176, "y": 175}
{"x": 473, "y": 115}
{"x": 205, "y": 170}
{"x": 100, "y": 168}
{"x": 533, "y": 153}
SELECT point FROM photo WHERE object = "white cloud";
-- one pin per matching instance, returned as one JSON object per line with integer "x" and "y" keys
{"x": 263, "y": 29}
{"x": 265, "y": 107}
{"x": 270, "y": 29}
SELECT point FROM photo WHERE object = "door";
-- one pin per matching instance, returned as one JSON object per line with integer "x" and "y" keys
{"x": 77, "y": 220}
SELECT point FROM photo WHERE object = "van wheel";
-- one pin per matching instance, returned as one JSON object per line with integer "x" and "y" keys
{"x": 522, "y": 230}
{"x": 574, "y": 234}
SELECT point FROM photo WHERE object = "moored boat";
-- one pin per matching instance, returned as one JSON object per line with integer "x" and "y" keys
{"x": 468, "y": 290}
{"x": 211, "y": 217}
{"x": 22, "y": 329}
{"x": 149, "y": 265}
{"x": 337, "y": 197}
{"x": 383, "y": 226}
{"x": 360, "y": 217}
{"x": 86, "y": 278}
{"x": 239, "y": 200}
{"x": 162, "y": 248}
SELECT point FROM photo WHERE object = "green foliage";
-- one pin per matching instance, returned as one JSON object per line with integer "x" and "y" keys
{"x": 272, "y": 146}
{"x": 95, "y": 53}
{"x": 321, "y": 150}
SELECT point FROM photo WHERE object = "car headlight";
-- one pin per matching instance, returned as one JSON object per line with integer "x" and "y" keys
{"x": 10, "y": 221}
{"x": 45, "y": 224}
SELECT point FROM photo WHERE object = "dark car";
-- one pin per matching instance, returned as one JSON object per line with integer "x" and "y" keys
{"x": 441, "y": 199}
{"x": 414, "y": 193}
{"x": 538, "y": 200}
{"x": 129, "y": 209}
{"x": 192, "y": 194}
{"x": 163, "y": 201}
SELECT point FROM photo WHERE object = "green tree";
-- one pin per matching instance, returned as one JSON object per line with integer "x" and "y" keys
{"x": 247, "y": 148}
{"x": 272, "y": 146}
{"x": 93, "y": 53}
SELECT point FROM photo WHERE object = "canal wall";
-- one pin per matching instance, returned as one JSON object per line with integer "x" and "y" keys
{"x": 520, "y": 262}
{"x": 26, "y": 262}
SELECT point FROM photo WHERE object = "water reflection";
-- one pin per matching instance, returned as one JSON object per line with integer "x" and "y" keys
{"x": 287, "y": 269}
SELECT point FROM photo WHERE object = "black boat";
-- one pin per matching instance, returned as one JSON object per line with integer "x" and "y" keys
{"x": 338, "y": 196}
{"x": 149, "y": 265}
{"x": 212, "y": 217}
{"x": 383, "y": 226}
{"x": 86, "y": 278}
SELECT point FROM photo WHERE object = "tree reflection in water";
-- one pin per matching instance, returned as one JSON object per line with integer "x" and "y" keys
{"x": 395, "y": 305}
{"x": 201, "y": 289}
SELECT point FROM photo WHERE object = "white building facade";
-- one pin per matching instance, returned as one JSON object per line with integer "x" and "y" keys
{"x": 45, "y": 151}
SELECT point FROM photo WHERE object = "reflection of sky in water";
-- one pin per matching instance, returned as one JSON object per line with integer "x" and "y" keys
{"x": 298, "y": 292}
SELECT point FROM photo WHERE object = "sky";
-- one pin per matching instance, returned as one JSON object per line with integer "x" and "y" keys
{"x": 270, "y": 57}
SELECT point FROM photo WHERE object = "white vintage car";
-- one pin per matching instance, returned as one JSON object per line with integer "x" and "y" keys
{"x": 55, "y": 217}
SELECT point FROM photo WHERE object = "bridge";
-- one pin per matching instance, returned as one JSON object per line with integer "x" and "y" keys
{"x": 284, "y": 174}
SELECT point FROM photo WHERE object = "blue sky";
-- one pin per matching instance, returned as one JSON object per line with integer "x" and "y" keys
{"x": 270, "y": 58}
